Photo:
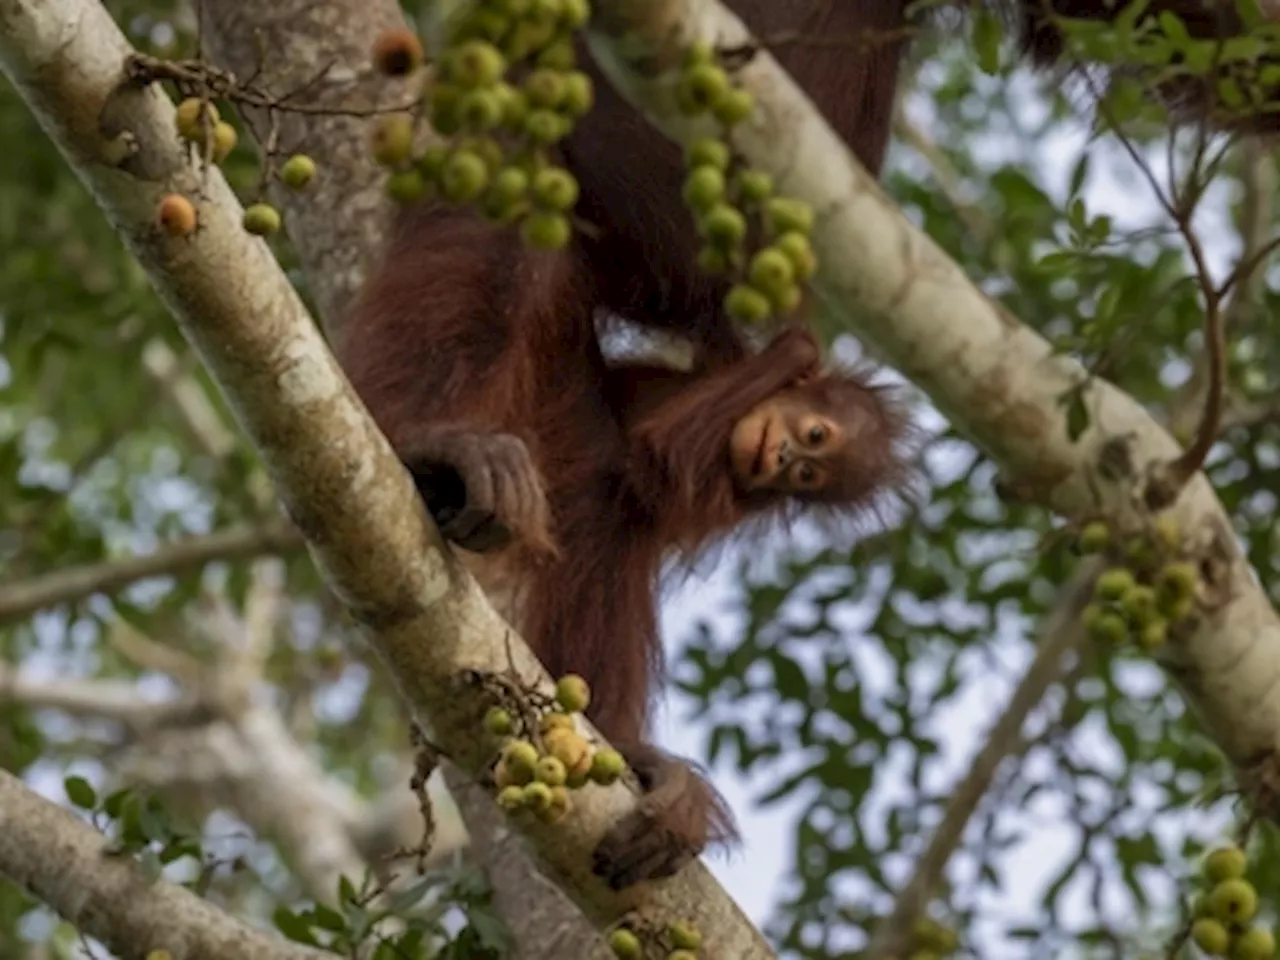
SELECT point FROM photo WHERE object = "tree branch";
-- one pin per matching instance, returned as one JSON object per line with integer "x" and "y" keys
{"x": 146, "y": 654}
{"x": 252, "y": 765}
{"x": 21, "y": 599}
{"x": 248, "y": 762}
{"x": 1061, "y": 635}
{"x": 949, "y": 179}
{"x": 194, "y": 409}
{"x": 1258, "y": 183}
{"x": 342, "y": 225}
{"x": 112, "y": 700}
{"x": 62, "y": 860}
{"x": 1252, "y": 413}
{"x": 263, "y": 607}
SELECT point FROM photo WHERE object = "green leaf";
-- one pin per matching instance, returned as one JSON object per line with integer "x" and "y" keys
{"x": 1079, "y": 174}
{"x": 132, "y": 836}
{"x": 410, "y": 943}
{"x": 1061, "y": 262}
{"x": 986, "y": 41}
{"x": 1098, "y": 231}
{"x": 1174, "y": 28}
{"x": 1129, "y": 16}
{"x": 153, "y": 819}
{"x": 114, "y": 804}
{"x": 1230, "y": 93}
{"x": 492, "y": 933}
{"x": 326, "y": 918}
{"x": 357, "y": 919}
{"x": 179, "y": 847}
{"x": 1108, "y": 303}
{"x": 1077, "y": 415}
{"x": 1077, "y": 216}
{"x": 404, "y": 900}
{"x": 346, "y": 889}
{"x": 1250, "y": 13}
{"x": 1199, "y": 58}
{"x": 293, "y": 926}
{"x": 80, "y": 793}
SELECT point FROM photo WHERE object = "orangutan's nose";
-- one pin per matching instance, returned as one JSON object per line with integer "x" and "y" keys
{"x": 784, "y": 454}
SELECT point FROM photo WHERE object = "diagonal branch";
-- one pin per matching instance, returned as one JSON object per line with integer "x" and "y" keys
{"x": 334, "y": 227}
{"x": 263, "y": 607}
{"x": 1062, "y": 635}
{"x": 21, "y": 599}
{"x": 950, "y": 181}
{"x": 62, "y": 860}
{"x": 195, "y": 411}
{"x": 251, "y": 764}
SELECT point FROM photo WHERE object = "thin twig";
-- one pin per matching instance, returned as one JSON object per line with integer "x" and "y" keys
{"x": 262, "y": 609}
{"x": 944, "y": 172}
{"x": 1180, "y": 205}
{"x": 223, "y": 85}
{"x": 426, "y": 758}
{"x": 143, "y": 652}
{"x": 1251, "y": 415}
{"x": 1241, "y": 288}
{"x": 1166, "y": 485}
{"x": 1062, "y": 634}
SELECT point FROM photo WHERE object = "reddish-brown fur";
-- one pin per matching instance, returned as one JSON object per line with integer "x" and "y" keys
{"x": 463, "y": 327}
{"x": 508, "y": 344}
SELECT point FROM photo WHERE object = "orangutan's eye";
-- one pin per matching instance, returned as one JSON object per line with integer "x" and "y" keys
{"x": 804, "y": 475}
{"x": 817, "y": 434}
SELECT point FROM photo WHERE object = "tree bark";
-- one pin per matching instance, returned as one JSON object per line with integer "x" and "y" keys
{"x": 59, "y": 858}
{"x": 318, "y": 55}
{"x": 546, "y": 922}
{"x": 306, "y": 37}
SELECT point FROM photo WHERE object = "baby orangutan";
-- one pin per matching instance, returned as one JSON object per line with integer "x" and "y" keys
{"x": 571, "y": 482}
{"x": 786, "y": 444}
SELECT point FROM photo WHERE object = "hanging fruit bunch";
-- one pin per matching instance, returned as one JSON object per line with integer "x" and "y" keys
{"x": 507, "y": 90}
